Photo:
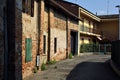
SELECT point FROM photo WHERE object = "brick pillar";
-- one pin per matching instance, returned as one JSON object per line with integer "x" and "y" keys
{"x": 68, "y": 37}
{"x": 42, "y": 6}
{"x": 50, "y": 25}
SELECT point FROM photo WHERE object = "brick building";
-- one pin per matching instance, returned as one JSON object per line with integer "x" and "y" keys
{"x": 42, "y": 29}
{"x": 92, "y": 28}
{"x": 49, "y": 32}
{"x": 37, "y": 31}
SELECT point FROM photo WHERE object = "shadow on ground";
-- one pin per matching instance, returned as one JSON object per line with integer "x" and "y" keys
{"x": 92, "y": 71}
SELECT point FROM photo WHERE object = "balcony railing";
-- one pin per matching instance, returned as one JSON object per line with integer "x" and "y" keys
{"x": 90, "y": 30}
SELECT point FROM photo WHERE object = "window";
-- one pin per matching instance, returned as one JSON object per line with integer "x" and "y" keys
{"x": 89, "y": 40}
{"x": 44, "y": 44}
{"x": 28, "y": 56}
{"x": 82, "y": 27}
{"x": 28, "y": 7}
{"x": 55, "y": 45}
{"x": 82, "y": 40}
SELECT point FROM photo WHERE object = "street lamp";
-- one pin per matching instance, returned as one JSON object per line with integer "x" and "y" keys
{"x": 118, "y": 6}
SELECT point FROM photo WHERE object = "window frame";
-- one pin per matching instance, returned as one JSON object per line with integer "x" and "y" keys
{"x": 44, "y": 44}
{"x": 55, "y": 44}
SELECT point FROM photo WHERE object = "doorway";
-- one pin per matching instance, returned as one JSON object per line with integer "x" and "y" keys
{"x": 74, "y": 41}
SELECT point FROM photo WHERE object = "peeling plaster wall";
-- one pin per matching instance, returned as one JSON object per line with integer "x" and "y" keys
{"x": 29, "y": 30}
{"x": 58, "y": 31}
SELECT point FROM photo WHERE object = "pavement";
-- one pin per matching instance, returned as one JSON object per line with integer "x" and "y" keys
{"x": 90, "y": 67}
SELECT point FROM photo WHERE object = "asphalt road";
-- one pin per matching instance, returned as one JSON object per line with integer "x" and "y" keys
{"x": 93, "y": 67}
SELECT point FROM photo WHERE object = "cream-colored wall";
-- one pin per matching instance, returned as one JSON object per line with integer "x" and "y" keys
{"x": 109, "y": 29}
{"x": 86, "y": 40}
{"x": 88, "y": 22}
{"x": 58, "y": 31}
{"x": 29, "y": 30}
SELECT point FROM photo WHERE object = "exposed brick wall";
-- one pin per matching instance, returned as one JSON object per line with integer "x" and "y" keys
{"x": 59, "y": 21}
{"x": 29, "y": 30}
{"x": 58, "y": 30}
{"x": 73, "y": 25}
{"x": 69, "y": 6}
{"x": 42, "y": 29}
{"x": 25, "y": 28}
{"x": 45, "y": 33}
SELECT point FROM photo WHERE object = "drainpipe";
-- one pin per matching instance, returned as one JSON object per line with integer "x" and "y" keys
{"x": 38, "y": 30}
{"x": 49, "y": 35}
{"x": 5, "y": 45}
{"x": 79, "y": 26}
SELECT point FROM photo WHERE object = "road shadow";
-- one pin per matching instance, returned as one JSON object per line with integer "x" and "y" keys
{"x": 92, "y": 71}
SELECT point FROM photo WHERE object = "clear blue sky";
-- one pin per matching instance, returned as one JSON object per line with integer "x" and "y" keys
{"x": 100, "y": 6}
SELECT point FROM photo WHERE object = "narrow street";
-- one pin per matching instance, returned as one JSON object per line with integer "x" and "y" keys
{"x": 92, "y": 67}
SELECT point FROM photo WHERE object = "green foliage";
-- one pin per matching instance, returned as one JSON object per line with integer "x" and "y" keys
{"x": 70, "y": 56}
{"x": 89, "y": 47}
{"x": 43, "y": 67}
{"x": 35, "y": 70}
{"x": 51, "y": 62}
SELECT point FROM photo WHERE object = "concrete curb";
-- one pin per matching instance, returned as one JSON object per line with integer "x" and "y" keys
{"x": 115, "y": 68}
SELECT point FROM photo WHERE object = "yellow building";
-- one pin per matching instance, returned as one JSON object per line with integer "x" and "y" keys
{"x": 89, "y": 32}
{"x": 109, "y": 27}
{"x": 93, "y": 29}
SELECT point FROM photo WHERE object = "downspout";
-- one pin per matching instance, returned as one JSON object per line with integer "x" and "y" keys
{"x": 48, "y": 58}
{"x": 38, "y": 30}
{"x": 5, "y": 46}
{"x": 79, "y": 45}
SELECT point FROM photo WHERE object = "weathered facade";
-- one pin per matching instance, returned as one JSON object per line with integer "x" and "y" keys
{"x": 88, "y": 25}
{"x": 37, "y": 31}
{"x": 41, "y": 31}
{"x": 58, "y": 29}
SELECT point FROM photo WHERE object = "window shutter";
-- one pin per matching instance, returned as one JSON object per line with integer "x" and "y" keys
{"x": 28, "y": 49}
{"x": 32, "y": 8}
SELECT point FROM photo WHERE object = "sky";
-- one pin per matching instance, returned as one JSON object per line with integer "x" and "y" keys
{"x": 101, "y": 7}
